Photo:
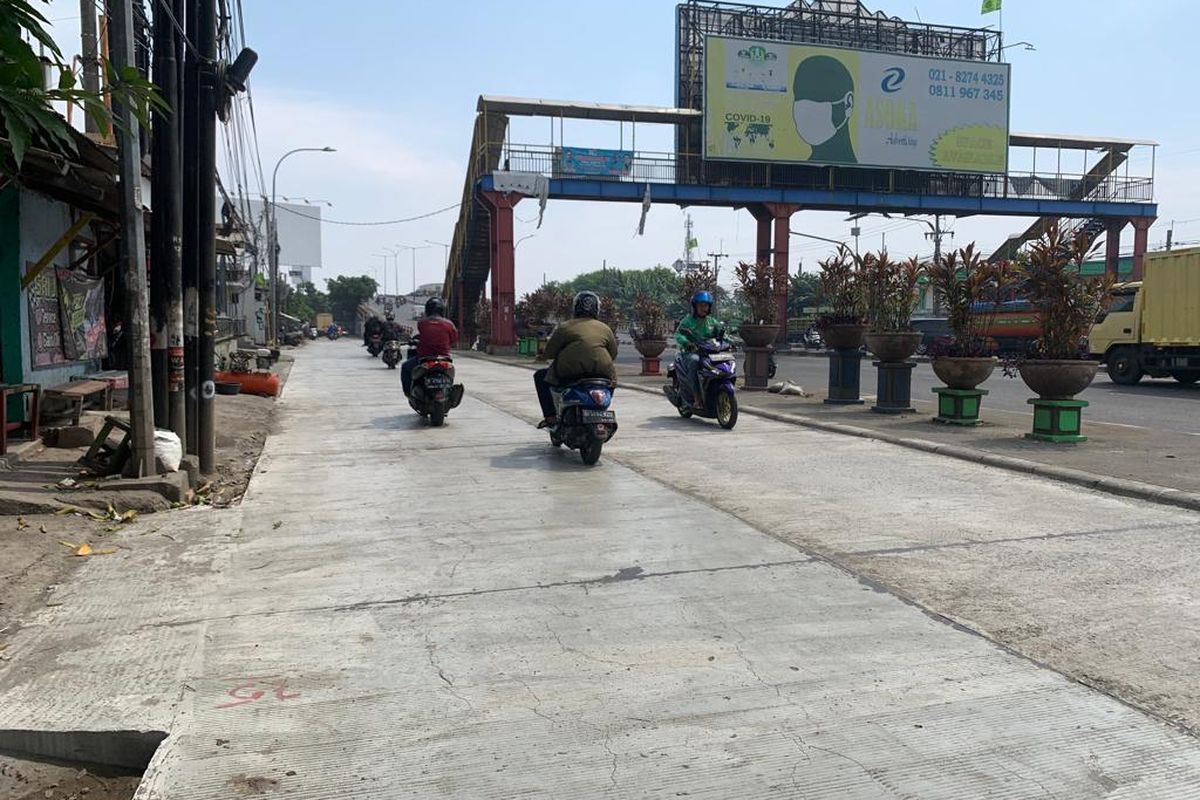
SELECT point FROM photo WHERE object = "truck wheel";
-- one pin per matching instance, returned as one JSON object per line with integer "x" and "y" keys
{"x": 1123, "y": 367}
{"x": 1186, "y": 378}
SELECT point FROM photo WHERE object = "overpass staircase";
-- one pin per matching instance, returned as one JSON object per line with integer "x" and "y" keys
{"x": 1095, "y": 185}
{"x": 469, "y": 263}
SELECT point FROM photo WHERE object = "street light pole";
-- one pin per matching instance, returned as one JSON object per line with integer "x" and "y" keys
{"x": 414, "y": 250}
{"x": 274, "y": 238}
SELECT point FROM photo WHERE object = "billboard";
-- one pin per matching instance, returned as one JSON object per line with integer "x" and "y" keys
{"x": 799, "y": 103}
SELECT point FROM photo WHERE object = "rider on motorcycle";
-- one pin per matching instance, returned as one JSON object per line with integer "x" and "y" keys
{"x": 581, "y": 347}
{"x": 695, "y": 328}
{"x": 372, "y": 327}
{"x": 438, "y": 336}
{"x": 392, "y": 330}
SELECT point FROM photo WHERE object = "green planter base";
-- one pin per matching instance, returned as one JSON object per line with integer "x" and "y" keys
{"x": 1057, "y": 420}
{"x": 958, "y": 406}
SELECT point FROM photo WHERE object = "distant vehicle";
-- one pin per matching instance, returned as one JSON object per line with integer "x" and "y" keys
{"x": 392, "y": 353}
{"x": 934, "y": 332}
{"x": 1152, "y": 327}
{"x": 324, "y": 320}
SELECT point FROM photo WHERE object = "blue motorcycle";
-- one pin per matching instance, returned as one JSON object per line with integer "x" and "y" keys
{"x": 585, "y": 421}
{"x": 716, "y": 374}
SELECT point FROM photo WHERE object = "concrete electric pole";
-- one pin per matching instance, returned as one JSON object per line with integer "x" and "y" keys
{"x": 133, "y": 251}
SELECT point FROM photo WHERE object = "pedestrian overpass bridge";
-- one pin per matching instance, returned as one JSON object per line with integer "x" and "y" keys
{"x": 1099, "y": 196}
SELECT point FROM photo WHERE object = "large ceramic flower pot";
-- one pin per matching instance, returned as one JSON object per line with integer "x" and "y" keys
{"x": 758, "y": 335}
{"x": 844, "y": 336}
{"x": 893, "y": 346}
{"x": 963, "y": 373}
{"x": 650, "y": 348}
{"x": 1058, "y": 379}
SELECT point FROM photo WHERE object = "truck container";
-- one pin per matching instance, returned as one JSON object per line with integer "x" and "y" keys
{"x": 1152, "y": 327}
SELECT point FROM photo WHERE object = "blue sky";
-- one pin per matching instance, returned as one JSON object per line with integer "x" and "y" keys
{"x": 393, "y": 86}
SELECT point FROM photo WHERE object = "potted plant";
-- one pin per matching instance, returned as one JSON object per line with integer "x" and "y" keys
{"x": 839, "y": 291}
{"x": 890, "y": 298}
{"x": 649, "y": 327}
{"x": 756, "y": 282}
{"x": 1066, "y": 304}
{"x": 971, "y": 290}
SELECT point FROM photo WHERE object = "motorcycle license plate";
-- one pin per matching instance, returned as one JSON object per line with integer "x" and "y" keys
{"x": 599, "y": 416}
{"x": 438, "y": 382}
{"x": 719, "y": 357}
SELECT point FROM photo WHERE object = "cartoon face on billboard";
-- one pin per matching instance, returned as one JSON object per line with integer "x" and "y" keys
{"x": 823, "y": 106}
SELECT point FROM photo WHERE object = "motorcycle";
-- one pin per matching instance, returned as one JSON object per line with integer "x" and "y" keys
{"x": 374, "y": 345}
{"x": 434, "y": 391}
{"x": 392, "y": 353}
{"x": 813, "y": 340}
{"x": 585, "y": 421}
{"x": 332, "y": 333}
{"x": 717, "y": 374}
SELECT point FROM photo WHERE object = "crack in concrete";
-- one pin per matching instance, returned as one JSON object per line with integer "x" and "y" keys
{"x": 430, "y": 648}
{"x": 612, "y": 775}
{"x": 365, "y": 605}
{"x": 1045, "y": 537}
{"x": 576, "y": 651}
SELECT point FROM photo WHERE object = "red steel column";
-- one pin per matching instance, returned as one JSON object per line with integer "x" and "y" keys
{"x": 1141, "y": 230}
{"x": 1112, "y": 247}
{"x": 782, "y": 213}
{"x": 503, "y": 267}
{"x": 763, "y": 217}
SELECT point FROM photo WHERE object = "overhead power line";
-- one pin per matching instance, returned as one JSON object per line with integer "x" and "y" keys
{"x": 380, "y": 222}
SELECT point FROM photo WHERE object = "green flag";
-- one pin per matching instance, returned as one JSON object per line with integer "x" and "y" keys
{"x": 989, "y": 6}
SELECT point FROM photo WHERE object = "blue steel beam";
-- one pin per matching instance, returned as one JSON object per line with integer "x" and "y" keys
{"x": 822, "y": 200}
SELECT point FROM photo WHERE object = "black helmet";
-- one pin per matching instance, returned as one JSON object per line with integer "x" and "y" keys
{"x": 587, "y": 304}
{"x": 434, "y": 307}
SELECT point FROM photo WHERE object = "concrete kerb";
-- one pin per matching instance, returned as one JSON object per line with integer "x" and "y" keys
{"x": 1089, "y": 480}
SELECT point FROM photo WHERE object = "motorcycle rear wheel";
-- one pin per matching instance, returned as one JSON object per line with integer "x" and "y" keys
{"x": 727, "y": 410}
{"x": 436, "y": 418}
{"x": 590, "y": 452}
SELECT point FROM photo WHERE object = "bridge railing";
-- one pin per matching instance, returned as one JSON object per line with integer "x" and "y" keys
{"x": 667, "y": 167}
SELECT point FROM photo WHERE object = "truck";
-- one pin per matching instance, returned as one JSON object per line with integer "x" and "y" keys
{"x": 1152, "y": 326}
{"x": 324, "y": 320}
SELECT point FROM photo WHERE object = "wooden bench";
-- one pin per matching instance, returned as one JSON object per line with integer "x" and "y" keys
{"x": 76, "y": 393}
{"x": 28, "y": 421}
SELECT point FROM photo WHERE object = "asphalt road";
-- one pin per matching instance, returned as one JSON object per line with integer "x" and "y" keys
{"x": 1163, "y": 405}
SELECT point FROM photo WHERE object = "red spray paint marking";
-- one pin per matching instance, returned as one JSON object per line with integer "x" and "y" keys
{"x": 249, "y": 690}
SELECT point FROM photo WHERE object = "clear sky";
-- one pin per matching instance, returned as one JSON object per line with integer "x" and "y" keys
{"x": 392, "y": 84}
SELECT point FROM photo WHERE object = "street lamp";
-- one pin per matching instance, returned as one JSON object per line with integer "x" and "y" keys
{"x": 275, "y": 238}
{"x": 414, "y": 250}
{"x": 384, "y": 256}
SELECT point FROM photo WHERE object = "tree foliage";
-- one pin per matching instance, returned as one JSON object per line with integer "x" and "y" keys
{"x": 26, "y": 108}
{"x": 306, "y": 301}
{"x": 346, "y": 293}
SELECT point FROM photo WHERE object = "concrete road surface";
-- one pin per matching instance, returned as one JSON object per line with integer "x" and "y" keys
{"x": 465, "y": 612}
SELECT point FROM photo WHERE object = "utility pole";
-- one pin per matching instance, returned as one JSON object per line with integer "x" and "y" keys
{"x": 89, "y": 56}
{"x": 190, "y": 272}
{"x": 133, "y": 252}
{"x": 936, "y": 233}
{"x": 206, "y": 169}
{"x": 716, "y": 257}
{"x": 166, "y": 298}
{"x": 1171, "y": 235}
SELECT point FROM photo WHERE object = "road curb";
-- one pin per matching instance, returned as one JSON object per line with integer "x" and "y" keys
{"x": 1123, "y": 487}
